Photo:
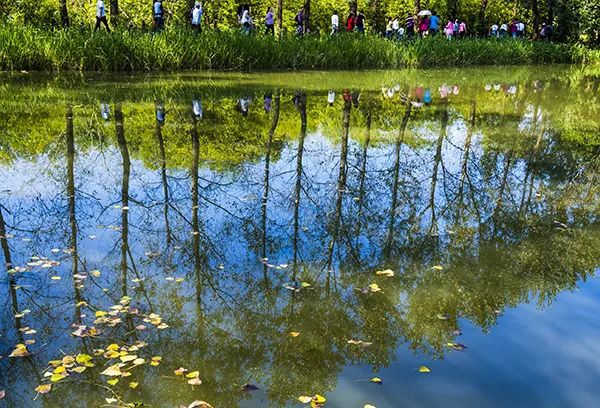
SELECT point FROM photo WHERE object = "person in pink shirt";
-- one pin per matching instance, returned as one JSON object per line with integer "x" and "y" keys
{"x": 449, "y": 30}
{"x": 462, "y": 30}
{"x": 424, "y": 26}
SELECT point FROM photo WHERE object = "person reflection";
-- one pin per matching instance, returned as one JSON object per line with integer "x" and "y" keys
{"x": 243, "y": 105}
{"x": 427, "y": 97}
{"x": 160, "y": 112}
{"x": 268, "y": 100}
{"x": 355, "y": 98}
{"x": 330, "y": 98}
{"x": 105, "y": 111}
{"x": 197, "y": 108}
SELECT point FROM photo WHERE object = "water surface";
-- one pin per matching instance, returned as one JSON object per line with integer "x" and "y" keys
{"x": 234, "y": 224}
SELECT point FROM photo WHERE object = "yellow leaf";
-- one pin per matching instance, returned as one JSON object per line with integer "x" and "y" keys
{"x": 424, "y": 369}
{"x": 373, "y": 287}
{"x": 294, "y": 334}
{"x": 369, "y": 406}
{"x": 59, "y": 369}
{"x": 127, "y": 358}
{"x": 55, "y": 278}
{"x": 154, "y": 363}
{"x": 113, "y": 347}
{"x": 84, "y": 359}
{"x": 111, "y": 354}
{"x": 44, "y": 388}
{"x": 139, "y": 361}
{"x": 157, "y": 358}
{"x": 319, "y": 399}
{"x": 376, "y": 380}
{"x": 112, "y": 371}
{"x": 305, "y": 285}
{"x": 304, "y": 399}
{"x": 111, "y": 400}
{"x": 438, "y": 267}
{"x": 194, "y": 381}
{"x": 388, "y": 273}
{"x": 79, "y": 369}
{"x": 57, "y": 377}
{"x": 133, "y": 385}
{"x": 112, "y": 381}
{"x": 193, "y": 374}
{"x": 19, "y": 351}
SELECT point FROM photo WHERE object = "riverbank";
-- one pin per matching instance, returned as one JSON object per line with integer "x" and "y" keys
{"x": 24, "y": 48}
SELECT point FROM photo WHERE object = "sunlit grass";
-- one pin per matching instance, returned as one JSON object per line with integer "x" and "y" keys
{"x": 25, "y": 48}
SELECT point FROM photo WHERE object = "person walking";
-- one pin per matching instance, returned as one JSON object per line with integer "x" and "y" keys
{"x": 520, "y": 29}
{"x": 449, "y": 30}
{"x": 158, "y": 13}
{"x": 270, "y": 22}
{"x": 197, "y": 17}
{"x": 396, "y": 27}
{"x": 335, "y": 23}
{"x": 360, "y": 22}
{"x": 410, "y": 25}
{"x": 246, "y": 22}
{"x": 388, "y": 28}
{"x": 299, "y": 19}
{"x": 351, "y": 22}
{"x": 101, "y": 16}
{"x": 434, "y": 24}
{"x": 462, "y": 29}
{"x": 424, "y": 26}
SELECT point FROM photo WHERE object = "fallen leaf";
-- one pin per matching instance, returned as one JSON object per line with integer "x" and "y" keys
{"x": 57, "y": 377}
{"x": 424, "y": 369}
{"x": 43, "y": 388}
{"x": 294, "y": 334}
{"x": 79, "y": 369}
{"x": 304, "y": 399}
{"x": 376, "y": 380}
{"x": 112, "y": 381}
{"x": 133, "y": 385}
{"x": 138, "y": 361}
{"x": 373, "y": 287}
{"x": 112, "y": 371}
{"x": 199, "y": 404}
{"x": 456, "y": 346}
{"x": 111, "y": 400}
{"x": 438, "y": 267}
{"x": 319, "y": 399}
{"x": 180, "y": 371}
{"x": 128, "y": 358}
{"x": 19, "y": 351}
{"x": 388, "y": 273}
{"x": 193, "y": 374}
{"x": 194, "y": 381}
{"x": 369, "y": 406}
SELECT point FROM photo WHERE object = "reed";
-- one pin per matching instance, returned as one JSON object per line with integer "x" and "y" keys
{"x": 27, "y": 48}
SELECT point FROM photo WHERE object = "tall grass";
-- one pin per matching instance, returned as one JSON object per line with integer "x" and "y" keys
{"x": 26, "y": 48}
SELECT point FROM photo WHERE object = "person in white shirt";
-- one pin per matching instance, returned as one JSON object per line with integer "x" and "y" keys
{"x": 101, "y": 16}
{"x": 157, "y": 9}
{"x": 330, "y": 98}
{"x": 335, "y": 23}
{"x": 197, "y": 108}
{"x": 395, "y": 26}
{"x": 246, "y": 21}
{"x": 520, "y": 29}
{"x": 494, "y": 30}
{"x": 197, "y": 17}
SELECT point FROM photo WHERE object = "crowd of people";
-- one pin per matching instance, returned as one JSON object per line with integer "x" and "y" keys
{"x": 423, "y": 24}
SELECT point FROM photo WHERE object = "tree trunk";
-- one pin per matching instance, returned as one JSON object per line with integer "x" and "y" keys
{"x": 114, "y": 12}
{"x": 535, "y": 9}
{"x": 482, "y": 26}
{"x": 417, "y": 6}
{"x": 279, "y": 18}
{"x": 306, "y": 16}
{"x": 64, "y": 13}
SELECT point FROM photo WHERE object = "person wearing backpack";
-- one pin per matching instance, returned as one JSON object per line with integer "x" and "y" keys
{"x": 299, "y": 19}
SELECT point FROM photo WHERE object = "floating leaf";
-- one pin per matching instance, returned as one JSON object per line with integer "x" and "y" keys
{"x": 373, "y": 287}
{"x": 387, "y": 273}
{"x": 193, "y": 374}
{"x": 424, "y": 369}
{"x": 199, "y": 404}
{"x": 19, "y": 351}
{"x": 56, "y": 278}
{"x": 305, "y": 285}
{"x": 138, "y": 361}
{"x": 181, "y": 371}
{"x": 304, "y": 399}
{"x": 43, "y": 388}
{"x": 100, "y": 313}
{"x": 376, "y": 380}
{"x": 112, "y": 381}
{"x": 84, "y": 359}
{"x": 112, "y": 371}
{"x": 111, "y": 400}
{"x": 128, "y": 358}
{"x": 438, "y": 267}
{"x": 133, "y": 385}
{"x": 369, "y": 406}
{"x": 456, "y": 346}
{"x": 294, "y": 334}
{"x": 194, "y": 381}
{"x": 57, "y": 377}
{"x": 79, "y": 369}
{"x": 319, "y": 399}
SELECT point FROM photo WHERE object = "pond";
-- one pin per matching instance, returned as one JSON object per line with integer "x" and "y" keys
{"x": 396, "y": 239}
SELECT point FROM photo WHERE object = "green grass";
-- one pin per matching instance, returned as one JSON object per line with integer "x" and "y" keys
{"x": 25, "y": 48}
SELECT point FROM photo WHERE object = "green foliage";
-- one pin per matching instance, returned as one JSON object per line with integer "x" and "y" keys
{"x": 78, "y": 50}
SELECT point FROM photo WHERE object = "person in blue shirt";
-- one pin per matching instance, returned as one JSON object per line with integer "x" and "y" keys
{"x": 434, "y": 24}
{"x": 157, "y": 12}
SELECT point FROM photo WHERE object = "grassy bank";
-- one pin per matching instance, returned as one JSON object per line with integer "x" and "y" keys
{"x": 23, "y": 48}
